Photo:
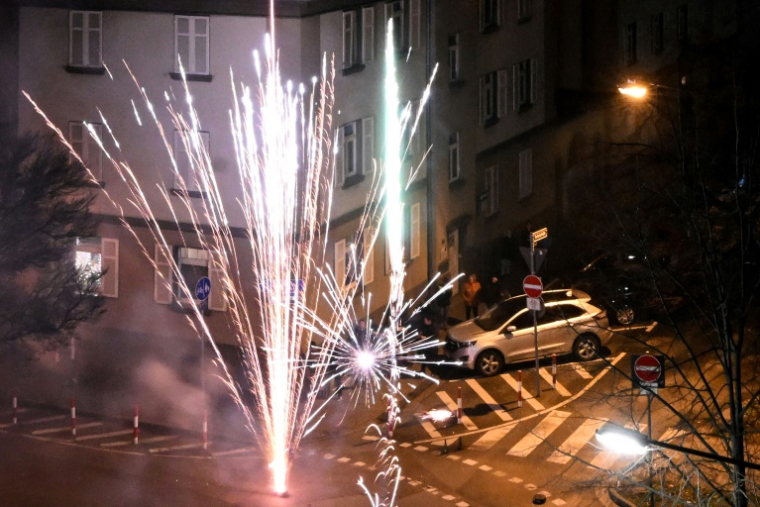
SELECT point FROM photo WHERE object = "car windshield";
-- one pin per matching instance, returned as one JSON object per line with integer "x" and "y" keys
{"x": 498, "y": 315}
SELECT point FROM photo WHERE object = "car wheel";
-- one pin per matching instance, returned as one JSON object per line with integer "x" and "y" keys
{"x": 489, "y": 363}
{"x": 625, "y": 316}
{"x": 586, "y": 347}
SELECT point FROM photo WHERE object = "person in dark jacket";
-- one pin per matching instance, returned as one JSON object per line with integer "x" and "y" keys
{"x": 492, "y": 292}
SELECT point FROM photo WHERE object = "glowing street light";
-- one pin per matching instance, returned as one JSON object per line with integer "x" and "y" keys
{"x": 631, "y": 442}
{"x": 633, "y": 89}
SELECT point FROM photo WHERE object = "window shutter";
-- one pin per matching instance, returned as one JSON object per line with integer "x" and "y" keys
{"x": 339, "y": 156}
{"x": 76, "y": 38}
{"x": 369, "y": 256}
{"x": 533, "y": 79}
{"x": 109, "y": 284}
{"x": 181, "y": 42}
{"x": 340, "y": 262}
{"x": 94, "y": 39}
{"x": 482, "y": 101}
{"x": 93, "y": 153}
{"x": 162, "y": 277}
{"x": 216, "y": 300}
{"x": 414, "y": 23}
{"x": 414, "y": 232}
{"x": 368, "y": 144}
{"x": 201, "y": 34}
{"x": 368, "y": 34}
{"x": 182, "y": 159}
{"x": 348, "y": 39}
{"x": 515, "y": 94}
{"x": 501, "y": 96}
{"x": 76, "y": 138}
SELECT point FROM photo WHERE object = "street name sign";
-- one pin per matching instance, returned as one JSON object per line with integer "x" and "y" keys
{"x": 532, "y": 286}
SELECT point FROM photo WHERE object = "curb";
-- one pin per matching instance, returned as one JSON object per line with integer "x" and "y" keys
{"x": 619, "y": 499}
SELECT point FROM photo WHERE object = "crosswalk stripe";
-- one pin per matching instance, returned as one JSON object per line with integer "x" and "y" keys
{"x": 581, "y": 371}
{"x": 240, "y": 450}
{"x": 533, "y": 402}
{"x": 150, "y": 440}
{"x": 45, "y": 419}
{"x": 548, "y": 377}
{"x": 106, "y": 435}
{"x": 428, "y": 426}
{"x": 497, "y": 408}
{"x": 490, "y": 438}
{"x": 66, "y": 428}
{"x": 574, "y": 442}
{"x": 542, "y": 430}
{"x": 451, "y": 405}
{"x": 183, "y": 447}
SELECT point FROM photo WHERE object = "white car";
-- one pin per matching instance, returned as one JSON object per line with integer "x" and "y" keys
{"x": 504, "y": 334}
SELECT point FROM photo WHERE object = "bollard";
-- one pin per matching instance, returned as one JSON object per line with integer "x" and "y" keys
{"x": 15, "y": 409}
{"x": 205, "y": 429}
{"x": 519, "y": 388}
{"x": 459, "y": 405}
{"x": 73, "y": 417}
{"x": 554, "y": 371}
{"x": 136, "y": 426}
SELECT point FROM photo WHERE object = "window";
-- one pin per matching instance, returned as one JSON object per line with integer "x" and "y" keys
{"x": 192, "y": 265}
{"x": 526, "y": 173}
{"x": 341, "y": 262}
{"x": 191, "y": 46}
{"x": 414, "y": 231}
{"x": 368, "y": 34}
{"x": 185, "y": 179}
{"x": 682, "y": 22}
{"x": 96, "y": 257}
{"x": 524, "y": 84}
{"x": 523, "y": 10}
{"x": 81, "y": 139}
{"x": 631, "y": 41}
{"x": 658, "y": 33}
{"x": 491, "y": 186}
{"x": 395, "y": 11}
{"x": 356, "y": 151}
{"x": 454, "y": 168}
{"x": 493, "y": 97}
{"x": 350, "y": 52}
{"x": 490, "y": 13}
{"x": 454, "y": 57}
{"x": 85, "y": 39}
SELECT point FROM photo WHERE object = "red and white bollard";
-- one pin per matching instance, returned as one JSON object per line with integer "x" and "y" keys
{"x": 73, "y": 417}
{"x": 15, "y": 409}
{"x": 205, "y": 429}
{"x": 519, "y": 388}
{"x": 391, "y": 420}
{"x": 554, "y": 371}
{"x": 459, "y": 405}
{"x": 136, "y": 426}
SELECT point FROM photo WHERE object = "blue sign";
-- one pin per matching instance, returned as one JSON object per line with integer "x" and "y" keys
{"x": 202, "y": 289}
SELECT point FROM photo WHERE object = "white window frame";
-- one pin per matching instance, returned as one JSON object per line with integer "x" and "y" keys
{"x": 502, "y": 85}
{"x": 90, "y": 35}
{"x": 492, "y": 187}
{"x": 455, "y": 170}
{"x": 339, "y": 263}
{"x": 368, "y": 34}
{"x": 631, "y": 43}
{"x": 525, "y": 173}
{"x": 181, "y": 155}
{"x": 524, "y": 83}
{"x": 81, "y": 139}
{"x": 415, "y": 15}
{"x": 349, "y": 39}
{"x": 368, "y": 144}
{"x": 163, "y": 281}
{"x": 414, "y": 231}
{"x": 454, "y": 54}
{"x": 395, "y": 10}
{"x": 193, "y": 39}
{"x": 523, "y": 9}
{"x": 657, "y": 28}
{"x": 350, "y": 148}
{"x": 490, "y": 14}
{"x": 369, "y": 255}
{"x": 108, "y": 250}
{"x": 488, "y": 87}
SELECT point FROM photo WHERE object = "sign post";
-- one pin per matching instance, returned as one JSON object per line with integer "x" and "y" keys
{"x": 202, "y": 292}
{"x": 533, "y": 288}
{"x": 647, "y": 372}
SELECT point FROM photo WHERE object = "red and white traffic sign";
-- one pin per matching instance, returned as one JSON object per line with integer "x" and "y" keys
{"x": 647, "y": 369}
{"x": 532, "y": 286}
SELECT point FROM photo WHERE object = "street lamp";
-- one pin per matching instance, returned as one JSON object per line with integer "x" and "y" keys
{"x": 631, "y": 442}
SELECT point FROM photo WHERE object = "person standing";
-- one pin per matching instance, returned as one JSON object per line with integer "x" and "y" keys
{"x": 471, "y": 295}
{"x": 492, "y": 292}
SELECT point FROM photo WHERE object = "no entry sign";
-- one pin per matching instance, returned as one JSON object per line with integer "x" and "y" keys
{"x": 532, "y": 286}
{"x": 647, "y": 371}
